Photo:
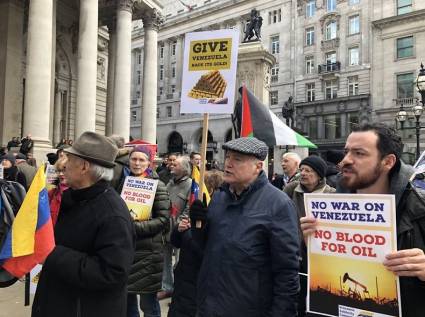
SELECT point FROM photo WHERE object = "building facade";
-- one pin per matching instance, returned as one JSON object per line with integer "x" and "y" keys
{"x": 336, "y": 60}
{"x": 65, "y": 67}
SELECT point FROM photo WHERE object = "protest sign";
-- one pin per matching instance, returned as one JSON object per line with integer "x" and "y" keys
{"x": 209, "y": 71}
{"x": 139, "y": 194}
{"x": 34, "y": 277}
{"x": 418, "y": 177}
{"x": 51, "y": 176}
{"x": 1, "y": 172}
{"x": 345, "y": 254}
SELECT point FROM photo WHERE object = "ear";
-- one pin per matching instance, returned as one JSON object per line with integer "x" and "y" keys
{"x": 85, "y": 167}
{"x": 259, "y": 165}
{"x": 388, "y": 162}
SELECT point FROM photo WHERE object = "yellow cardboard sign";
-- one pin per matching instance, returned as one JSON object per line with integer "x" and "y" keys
{"x": 210, "y": 54}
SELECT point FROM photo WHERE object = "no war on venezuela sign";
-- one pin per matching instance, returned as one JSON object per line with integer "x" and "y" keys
{"x": 139, "y": 194}
{"x": 345, "y": 254}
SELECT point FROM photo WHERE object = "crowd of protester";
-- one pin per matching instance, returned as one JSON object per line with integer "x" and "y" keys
{"x": 239, "y": 255}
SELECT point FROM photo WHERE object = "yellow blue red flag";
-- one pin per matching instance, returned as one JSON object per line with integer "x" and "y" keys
{"x": 30, "y": 239}
{"x": 194, "y": 192}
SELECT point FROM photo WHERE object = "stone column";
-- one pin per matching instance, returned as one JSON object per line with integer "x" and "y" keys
{"x": 111, "y": 76}
{"x": 39, "y": 72}
{"x": 87, "y": 68}
{"x": 151, "y": 21}
{"x": 57, "y": 117}
{"x": 121, "y": 112}
{"x": 11, "y": 52}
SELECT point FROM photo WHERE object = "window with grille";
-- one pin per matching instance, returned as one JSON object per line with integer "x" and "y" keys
{"x": 274, "y": 98}
{"x": 310, "y": 8}
{"x": 404, "y": 6}
{"x": 405, "y": 47}
{"x": 353, "y": 55}
{"x": 309, "y": 36}
{"x": 310, "y": 92}
{"x": 331, "y": 88}
{"x": 353, "y": 85}
{"x": 274, "y": 44}
{"x": 354, "y": 25}
{"x": 309, "y": 64}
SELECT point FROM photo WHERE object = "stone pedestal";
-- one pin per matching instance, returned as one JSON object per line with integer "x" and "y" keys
{"x": 254, "y": 64}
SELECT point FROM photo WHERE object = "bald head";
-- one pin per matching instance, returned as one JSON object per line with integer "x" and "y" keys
{"x": 290, "y": 163}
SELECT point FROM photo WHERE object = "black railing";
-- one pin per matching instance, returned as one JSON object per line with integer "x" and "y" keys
{"x": 329, "y": 67}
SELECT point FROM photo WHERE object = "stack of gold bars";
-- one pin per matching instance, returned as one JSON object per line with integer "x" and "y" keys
{"x": 210, "y": 85}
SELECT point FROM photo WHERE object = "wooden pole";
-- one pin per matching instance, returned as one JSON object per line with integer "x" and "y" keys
{"x": 203, "y": 160}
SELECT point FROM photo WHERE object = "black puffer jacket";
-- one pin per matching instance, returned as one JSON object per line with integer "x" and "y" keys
{"x": 146, "y": 271}
{"x": 183, "y": 303}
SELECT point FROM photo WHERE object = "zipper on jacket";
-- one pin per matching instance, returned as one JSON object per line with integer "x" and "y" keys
{"x": 78, "y": 307}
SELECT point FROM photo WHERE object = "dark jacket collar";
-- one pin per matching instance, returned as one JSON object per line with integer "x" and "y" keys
{"x": 89, "y": 192}
{"x": 398, "y": 182}
{"x": 259, "y": 182}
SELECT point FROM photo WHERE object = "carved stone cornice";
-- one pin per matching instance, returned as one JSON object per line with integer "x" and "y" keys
{"x": 332, "y": 16}
{"x": 152, "y": 19}
{"x": 126, "y": 5}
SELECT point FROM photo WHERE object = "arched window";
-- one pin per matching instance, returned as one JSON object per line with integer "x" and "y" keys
{"x": 175, "y": 143}
{"x": 330, "y": 32}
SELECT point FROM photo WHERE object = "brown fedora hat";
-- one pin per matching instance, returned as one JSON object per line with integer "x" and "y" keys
{"x": 95, "y": 148}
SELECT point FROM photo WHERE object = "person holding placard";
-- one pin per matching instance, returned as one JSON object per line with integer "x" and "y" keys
{"x": 146, "y": 272}
{"x": 312, "y": 180}
{"x": 372, "y": 165}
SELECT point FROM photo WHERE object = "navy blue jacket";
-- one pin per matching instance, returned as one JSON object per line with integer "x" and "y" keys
{"x": 251, "y": 254}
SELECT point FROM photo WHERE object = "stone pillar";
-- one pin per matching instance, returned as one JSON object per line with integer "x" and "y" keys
{"x": 87, "y": 68}
{"x": 151, "y": 21}
{"x": 121, "y": 110}
{"x": 57, "y": 117}
{"x": 39, "y": 73}
{"x": 111, "y": 76}
{"x": 11, "y": 53}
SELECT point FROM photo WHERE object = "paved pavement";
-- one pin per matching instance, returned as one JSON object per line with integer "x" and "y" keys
{"x": 12, "y": 302}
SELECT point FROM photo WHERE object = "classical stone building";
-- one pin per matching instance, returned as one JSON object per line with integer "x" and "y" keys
{"x": 332, "y": 57}
{"x": 398, "y": 50}
{"x": 56, "y": 79}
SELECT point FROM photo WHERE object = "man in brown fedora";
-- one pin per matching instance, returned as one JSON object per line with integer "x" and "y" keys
{"x": 86, "y": 273}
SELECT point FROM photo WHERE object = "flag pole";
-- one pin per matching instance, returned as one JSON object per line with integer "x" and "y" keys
{"x": 203, "y": 153}
{"x": 203, "y": 159}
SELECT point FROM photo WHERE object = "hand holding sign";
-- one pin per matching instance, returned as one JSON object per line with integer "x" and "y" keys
{"x": 410, "y": 262}
{"x": 308, "y": 226}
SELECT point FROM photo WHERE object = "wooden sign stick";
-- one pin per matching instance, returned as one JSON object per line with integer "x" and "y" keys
{"x": 203, "y": 160}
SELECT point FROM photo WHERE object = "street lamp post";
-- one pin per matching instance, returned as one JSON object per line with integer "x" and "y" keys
{"x": 417, "y": 110}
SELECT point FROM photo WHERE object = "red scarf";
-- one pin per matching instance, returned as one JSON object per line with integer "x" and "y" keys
{"x": 55, "y": 198}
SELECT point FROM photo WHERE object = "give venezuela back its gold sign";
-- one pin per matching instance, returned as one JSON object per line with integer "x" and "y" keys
{"x": 211, "y": 54}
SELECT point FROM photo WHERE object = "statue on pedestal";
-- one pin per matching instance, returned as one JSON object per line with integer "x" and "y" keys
{"x": 254, "y": 26}
{"x": 288, "y": 112}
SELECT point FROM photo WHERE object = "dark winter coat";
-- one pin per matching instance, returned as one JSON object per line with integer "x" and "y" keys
{"x": 146, "y": 271}
{"x": 410, "y": 234}
{"x": 13, "y": 174}
{"x": 183, "y": 302}
{"x": 28, "y": 171}
{"x": 250, "y": 264}
{"x": 86, "y": 273}
{"x": 26, "y": 145}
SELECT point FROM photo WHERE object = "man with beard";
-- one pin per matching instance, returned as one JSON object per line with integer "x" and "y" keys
{"x": 372, "y": 166}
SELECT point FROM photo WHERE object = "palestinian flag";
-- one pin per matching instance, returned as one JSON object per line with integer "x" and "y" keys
{"x": 260, "y": 122}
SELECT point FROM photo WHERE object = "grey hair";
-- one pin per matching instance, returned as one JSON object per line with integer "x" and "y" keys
{"x": 118, "y": 140}
{"x": 186, "y": 166}
{"x": 100, "y": 172}
{"x": 293, "y": 155}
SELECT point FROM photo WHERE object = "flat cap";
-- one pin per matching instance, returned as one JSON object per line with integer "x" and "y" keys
{"x": 248, "y": 146}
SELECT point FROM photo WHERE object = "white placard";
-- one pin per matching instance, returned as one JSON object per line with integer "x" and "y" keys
{"x": 209, "y": 71}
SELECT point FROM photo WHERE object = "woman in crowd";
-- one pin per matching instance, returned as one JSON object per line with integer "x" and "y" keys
{"x": 55, "y": 194}
{"x": 11, "y": 172}
{"x": 146, "y": 273}
{"x": 213, "y": 180}
{"x": 312, "y": 180}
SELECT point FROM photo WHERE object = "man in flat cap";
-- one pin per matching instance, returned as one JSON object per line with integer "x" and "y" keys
{"x": 86, "y": 273}
{"x": 249, "y": 236}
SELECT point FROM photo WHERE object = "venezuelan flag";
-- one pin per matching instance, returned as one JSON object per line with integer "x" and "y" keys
{"x": 30, "y": 239}
{"x": 194, "y": 192}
